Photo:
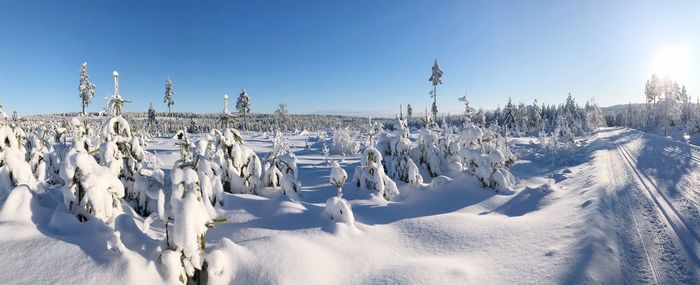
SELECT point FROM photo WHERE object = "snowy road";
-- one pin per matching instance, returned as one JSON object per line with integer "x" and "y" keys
{"x": 654, "y": 221}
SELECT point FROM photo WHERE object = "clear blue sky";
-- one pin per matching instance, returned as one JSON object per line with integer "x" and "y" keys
{"x": 337, "y": 55}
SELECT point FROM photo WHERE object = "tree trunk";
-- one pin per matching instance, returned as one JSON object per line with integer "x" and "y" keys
{"x": 170, "y": 123}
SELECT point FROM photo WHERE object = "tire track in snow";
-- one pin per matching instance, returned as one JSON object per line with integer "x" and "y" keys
{"x": 683, "y": 234}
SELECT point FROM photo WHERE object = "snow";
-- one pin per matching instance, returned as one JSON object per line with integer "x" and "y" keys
{"x": 590, "y": 219}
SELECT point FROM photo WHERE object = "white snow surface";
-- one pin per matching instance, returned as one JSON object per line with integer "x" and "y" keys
{"x": 625, "y": 210}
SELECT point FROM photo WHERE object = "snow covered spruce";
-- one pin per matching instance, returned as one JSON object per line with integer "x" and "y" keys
{"x": 370, "y": 175}
{"x": 280, "y": 169}
{"x": 90, "y": 190}
{"x": 396, "y": 148}
{"x": 14, "y": 170}
{"x": 186, "y": 226}
{"x": 137, "y": 169}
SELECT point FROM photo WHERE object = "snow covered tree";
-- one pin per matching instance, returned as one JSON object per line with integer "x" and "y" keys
{"x": 435, "y": 79}
{"x": 37, "y": 154}
{"x": 240, "y": 167}
{"x": 427, "y": 153}
{"x": 509, "y": 116}
{"x": 468, "y": 111}
{"x": 86, "y": 90}
{"x": 225, "y": 115}
{"x": 114, "y": 106}
{"x": 593, "y": 116}
{"x": 371, "y": 131}
{"x": 343, "y": 142}
{"x": 669, "y": 111}
{"x": 480, "y": 118}
{"x": 14, "y": 170}
{"x": 243, "y": 107}
{"x": 535, "y": 117}
{"x": 151, "y": 116}
{"x": 280, "y": 169}
{"x": 169, "y": 100}
{"x": 282, "y": 113}
{"x": 409, "y": 112}
{"x": 186, "y": 227}
{"x": 90, "y": 190}
{"x": 123, "y": 154}
{"x": 396, "y": 148}
{"x": 371, "y": 175}
{"x": 4, "y": 119}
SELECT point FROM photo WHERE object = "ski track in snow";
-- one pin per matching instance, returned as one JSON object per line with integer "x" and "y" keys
{"x": 668, "y": 246}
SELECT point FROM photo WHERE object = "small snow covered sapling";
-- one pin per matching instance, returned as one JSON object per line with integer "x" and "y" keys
{"x": 370, "y": 175}
{"x": 493, "y": 163}
{"x": 450, "y": 152}
{"x": 91, "y": 190}
{"x": 209, "y": 174}
{"x": 397, "y": 160}
{"x": 280, "y": 168}
{"x": 186, "y": 226}
{"x": 124, "y": 155}
{"x": 337, "y": 208}
{"x": 338, "y": 177}
{"x": 14, "y": 170}
{"x": 240, "y": 166}
{"x": 37, "y": 154}
{"x": 429, "y": 154}
{"x": 325, "y": 152}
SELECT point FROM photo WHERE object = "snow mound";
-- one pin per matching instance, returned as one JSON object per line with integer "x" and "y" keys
{"x": 527, "y": 201}
{"x": 224, "y": 261}
{"x": 339, "y": 210}
{"x": 17, "y": 206}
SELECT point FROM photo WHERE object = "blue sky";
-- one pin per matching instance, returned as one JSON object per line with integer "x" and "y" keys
{"x": 321, "y": 56}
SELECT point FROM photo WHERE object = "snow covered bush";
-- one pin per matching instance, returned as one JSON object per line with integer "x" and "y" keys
{"x": 371, "y": 176}
{"x": 91, "y": 190}
{"x": 280, "y": 168}
{"x": 344, "y": 143}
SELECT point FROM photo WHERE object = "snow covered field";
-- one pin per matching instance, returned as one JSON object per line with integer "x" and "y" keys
{"x": 624, "y": 209}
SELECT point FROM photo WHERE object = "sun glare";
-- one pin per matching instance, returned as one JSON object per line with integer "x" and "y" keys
{"x": 671, "y": 62}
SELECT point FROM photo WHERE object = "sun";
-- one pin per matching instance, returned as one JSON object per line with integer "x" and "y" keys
{"x": 671, "y": 62}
